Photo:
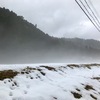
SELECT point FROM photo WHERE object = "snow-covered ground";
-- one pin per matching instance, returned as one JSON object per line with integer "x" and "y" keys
{"x": 50, "y": 82}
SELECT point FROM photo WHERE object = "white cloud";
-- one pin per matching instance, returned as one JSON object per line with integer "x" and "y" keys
{"x": 56, "y": 17}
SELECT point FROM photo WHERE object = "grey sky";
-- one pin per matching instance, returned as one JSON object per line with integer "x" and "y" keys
{"x": 56, "y": 17}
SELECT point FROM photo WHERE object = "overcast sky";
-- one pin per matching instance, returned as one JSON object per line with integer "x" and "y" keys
{"x": 61, "y": 18}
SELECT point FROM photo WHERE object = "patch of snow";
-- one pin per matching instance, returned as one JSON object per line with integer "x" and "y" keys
{"x": 45, "y": 84}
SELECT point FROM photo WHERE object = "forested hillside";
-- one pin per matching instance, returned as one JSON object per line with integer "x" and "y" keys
{"x": 23, "y": 42}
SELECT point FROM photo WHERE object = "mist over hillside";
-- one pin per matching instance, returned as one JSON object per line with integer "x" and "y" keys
{"x": 23, "y": 42}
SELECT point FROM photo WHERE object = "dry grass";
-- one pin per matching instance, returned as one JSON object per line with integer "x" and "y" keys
{"x": 96, "y": 78}
{"x": 89, "y": 87}
{"x": 42, "y": 73}
{"x": 76, "y": 95}
{"x": 73, "y": 66}
{"x": 78, "y": 89}
{"x": 49, "y": 68}
{"x": 93, "y": 97}
{"x": 91, "y": 65}
{"x": 7, "y": 74}
{"x": 55, "y": 98}
{"x": 28, "y": 70}
{"x": 11, "y": 74}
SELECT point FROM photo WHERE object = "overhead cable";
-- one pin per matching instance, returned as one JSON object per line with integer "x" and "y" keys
{"x": 93, "y": 22}
{"x": 92, "y": 12}
{"x": 90, "y": 2}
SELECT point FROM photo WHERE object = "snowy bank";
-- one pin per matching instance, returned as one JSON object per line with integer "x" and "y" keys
{"x": 50, "y": 82}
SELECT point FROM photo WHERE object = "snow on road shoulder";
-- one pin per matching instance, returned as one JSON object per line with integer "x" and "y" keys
{"x": 50, "y": 82}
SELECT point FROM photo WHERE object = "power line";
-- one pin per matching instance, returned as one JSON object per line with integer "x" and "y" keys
{"x": 92, "y": 12}
{"x": 94, "y": 8}
{"x": 87, "y": 14}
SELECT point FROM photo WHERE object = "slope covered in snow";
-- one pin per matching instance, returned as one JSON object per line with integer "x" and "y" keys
{"x": 50, "y": 82}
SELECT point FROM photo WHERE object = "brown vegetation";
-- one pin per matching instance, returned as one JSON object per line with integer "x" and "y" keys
{"x": 93, "y": 96}
{"x": 76, "y": 95}
{"x": 96, "y": 78}
{"x": 89, "y": 87}
{"x": 91, "y": 65}
{"x": 28, "y": 70}
{"x": 49, "y": 68}
{"x": 78, "y": 89}
{"x": 73, "y": 65}
{"x": 7, "y": 74}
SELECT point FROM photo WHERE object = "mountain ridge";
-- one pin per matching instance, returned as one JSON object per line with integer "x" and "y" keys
{"x": 21, "y": 41}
